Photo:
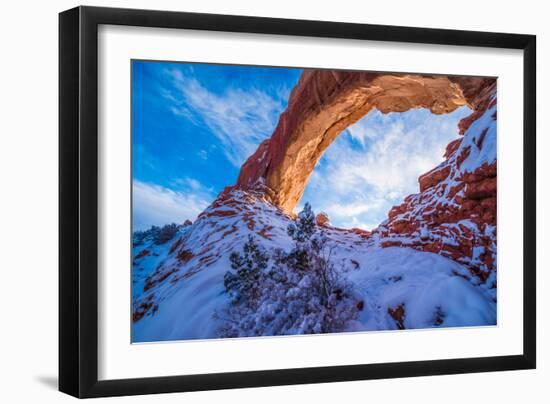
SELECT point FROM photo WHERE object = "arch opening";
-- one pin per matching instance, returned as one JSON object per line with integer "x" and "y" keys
{"x": 376, "y": 162}
{"x": 323, "y": 104}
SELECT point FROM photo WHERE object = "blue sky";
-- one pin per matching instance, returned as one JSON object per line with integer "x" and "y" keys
{"x": 375, "y": 163}
{"x": 195, "y": 124}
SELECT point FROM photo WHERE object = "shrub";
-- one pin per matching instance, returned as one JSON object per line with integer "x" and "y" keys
{"x": 244, "y": 283}
{"x": 166, "y": 233}
{"x": 141, "y": 236}
{"x": 300, "y": 293}
{"x": 155, "y": 234}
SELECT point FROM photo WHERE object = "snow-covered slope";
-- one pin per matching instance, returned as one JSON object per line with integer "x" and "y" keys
{"x": 405, "y": 288}
{"x": 178, "y": 285}
{"x": 432, "y": 263}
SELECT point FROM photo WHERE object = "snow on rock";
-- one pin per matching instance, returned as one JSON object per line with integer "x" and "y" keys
{"x": 179, "y": 289}
{"x": 432, "y": 263}
{"x": 454, "y": 214}
{"x": 185, "y": 289}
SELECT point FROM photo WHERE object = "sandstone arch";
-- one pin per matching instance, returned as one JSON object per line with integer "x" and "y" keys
{"x": 324, "y": 103}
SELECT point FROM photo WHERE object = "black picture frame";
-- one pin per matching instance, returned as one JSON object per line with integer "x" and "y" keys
{"x": 78, "y": 201}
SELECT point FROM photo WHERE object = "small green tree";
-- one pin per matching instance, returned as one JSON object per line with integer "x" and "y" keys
{"x": 243, "y": 284}
{"x": 311, "y": 260}
{"x": 304, "y": 227}
{"x": 300, "y": 293}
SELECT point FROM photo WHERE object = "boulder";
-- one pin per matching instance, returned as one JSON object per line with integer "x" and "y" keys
{"x": 322, "y": 219}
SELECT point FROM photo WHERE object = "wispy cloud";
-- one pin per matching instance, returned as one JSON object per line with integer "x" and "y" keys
{"x": 375, "y": 163}
{"x": 240, "y": 119}
{"x": 348, "y": 210}
{"x": 157, "y": 205}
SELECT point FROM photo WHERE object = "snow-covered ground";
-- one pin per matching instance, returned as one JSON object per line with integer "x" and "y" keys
{"x": 433, "y": 291}
{"x": 431, "y": 264}
{"x": 178, "y": 286}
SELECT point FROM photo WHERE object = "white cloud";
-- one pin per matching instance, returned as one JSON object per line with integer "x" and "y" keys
{"x": 363, "y": 131}
{"x": 188, "y": 185}
{"x": 355, "y": 222}
{"x": 157, "y": 205}
{"x": 393, "y": 161}
{"x": 348, "y": 210}
{"x": 239, "y": 119}
{"x": 375, "y": 163}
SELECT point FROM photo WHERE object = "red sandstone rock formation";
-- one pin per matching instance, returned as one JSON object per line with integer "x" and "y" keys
{"x": 455, "y": 212}
{"x": 323, "y": 104}
{"x": 322, "y": 219}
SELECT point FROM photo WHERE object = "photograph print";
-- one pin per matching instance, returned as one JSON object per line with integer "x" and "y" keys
{"x": 271, "y": 201}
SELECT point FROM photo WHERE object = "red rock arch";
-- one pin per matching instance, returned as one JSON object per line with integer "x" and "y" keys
{"x": 324, "y": 103}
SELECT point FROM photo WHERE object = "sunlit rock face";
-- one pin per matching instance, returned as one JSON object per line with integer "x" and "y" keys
{"x": 455, "y": 212}
{"x": 323, "y": 104}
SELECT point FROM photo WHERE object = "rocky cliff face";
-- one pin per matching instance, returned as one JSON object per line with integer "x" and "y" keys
{"x": 455, "y": 212}
{"x": 323, "y": 104}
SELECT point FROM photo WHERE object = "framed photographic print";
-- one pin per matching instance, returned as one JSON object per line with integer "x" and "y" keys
{"x": 250, "y": 201}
